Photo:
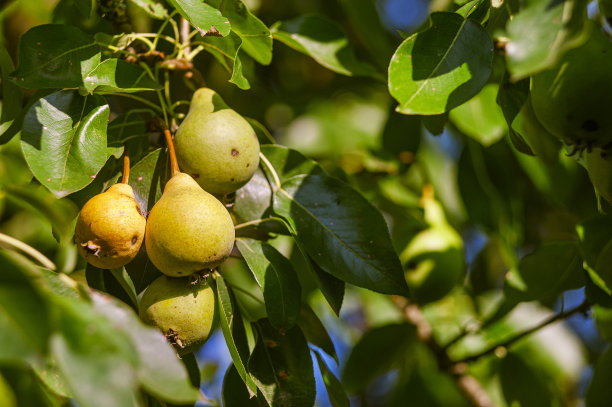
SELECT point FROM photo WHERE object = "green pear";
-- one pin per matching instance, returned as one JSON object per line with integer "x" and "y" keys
{"x": 110, "y": 228}
{"x": 215, "y": 145}
{"x": 188, "y": 229}
{"x": 599, "y": 167}
{"x": 572, "y": 100}
{"x": 182, "y": 309}
{"x": 433, "y": 260}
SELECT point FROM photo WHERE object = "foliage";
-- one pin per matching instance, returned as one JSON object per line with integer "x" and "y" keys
{"x": 372, "y": 136}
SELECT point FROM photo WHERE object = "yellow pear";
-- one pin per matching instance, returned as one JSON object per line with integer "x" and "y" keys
{"x": 183, "y": 310}
{"x": 188, "y": 229}
{"x": 215, "y": 145}
{"x": 110, "y": 228}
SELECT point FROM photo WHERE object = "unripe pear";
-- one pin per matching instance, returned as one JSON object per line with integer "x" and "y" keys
{"x": 599, "y": 167}
{"x": 188, "y": 229}
{"x": 182, "y": 309}
{"x": 433, "y": 263}
{"x": 110, "y": 228}
{"x": 215, "y": 145}
{"x": 572, "y": 100}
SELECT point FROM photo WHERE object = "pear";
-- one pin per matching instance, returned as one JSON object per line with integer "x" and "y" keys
{"x": 110, "y": 228}
{"x": 433, "y": 260}
{"x": 188, "y": 229}
{"x": 183, "y": 310}
{"x": 572, "y": 100}
{"x": 215, "y": 145}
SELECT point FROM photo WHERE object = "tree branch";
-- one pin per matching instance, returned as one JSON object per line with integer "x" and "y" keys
{"x": 468, "y": 385}
{"x": 554, "y": 318}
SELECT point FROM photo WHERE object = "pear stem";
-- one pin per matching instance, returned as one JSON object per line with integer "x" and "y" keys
{"x": 271, "y": 169}
{"x": 174, "y": 167}
{"x": 126, "y": 169}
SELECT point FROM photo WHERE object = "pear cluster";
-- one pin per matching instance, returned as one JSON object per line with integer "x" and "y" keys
{"x": 189, "y": 231}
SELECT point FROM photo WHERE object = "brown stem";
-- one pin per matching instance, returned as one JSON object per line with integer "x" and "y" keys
{"x": 469, "y": 386}
{"x": 126, "y": 169}
{"x": 174, "y": 167}
{"x": 554, "y": 318}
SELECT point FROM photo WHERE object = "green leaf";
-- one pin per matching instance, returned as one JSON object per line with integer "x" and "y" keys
{"x": 125, "y": 281}
{"x": 226, "y": 51}
{"x": 127, "y": 130}
{"x": 159, "y": 371}
{"x": 281, "y": 367}
{"x": 335, "y": 392}
{"x": 254, "y": 199}
{"x": 117, "y": 75}
{"x": 204, "y": 17}
{"x": 152, "y": 7}
{"x": 288, "y": 163}
{"x": 234, "y": 392}
{"x": 93, "y": 355}
{"x": 361, "y": 367}
{"x": 442, "y": 67}
{"x": 64, "y": 140}
{"x": 522, "y": 385}
{"x": 315, "y": 332}
{"x": 234, "y": 333}
{"x": 363, "y": 13}
{"x": 324, "y": 41}
{"x": 256, "y": 37}
{"x": 277, "y": 278}
{"x": 481, "y": 118}
{"x": 547, "y": 272}
{"x": 17, "y": 124}
{"x": 55, "y": 56}
{"x": 595, "y": 242}
{"x": 342, "y": 231}
{"x": 11, "y": 93}
{"x": 193, "y": 370}
{"x": 599, "y": 392}
{"x": 558, "y": 26}
{"x": 24, "y": 318}
{"x": 147, "y": 178}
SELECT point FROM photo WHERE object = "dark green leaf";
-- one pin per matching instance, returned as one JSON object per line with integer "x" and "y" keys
{"x": 204, "y": 17}
{"x": 11, "y": 93}
{"x": 342, "y": 231}
{"x": 558, "y": 26}
{"x": 402, "y": 134}
{"x": 599, "y": 392}
{"x": 335, "y": 392}
{"x": 191, "y": 364}
{"x": 595, "y": 241}
{"x": 315, "y": 332}
{"x": 277, "y": 278}
{"x": 55, "y": 56}
{"x": 117, "y": 75}
{"x": 256, "y": 37}
{"x": 281, "y": 366}
{"x": 363, "y": 13}
{"x": 481, "y": 118}
{"x": 234, "y": 333}
{"x": 324, "y": 41}
{"x": 234, "y": 392}
{"x": 547, "y": 272}
{"x": 226, "y": 51}
{"x": 362, "y": 367}
{"x": 441, "y": 68}
{"x": 147, "y": 178}
{"x": 152, "y": 7}
{"x": 523, "y": 385}
{"x": 435, "y": 123}
{"x": 64, "y": 140}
